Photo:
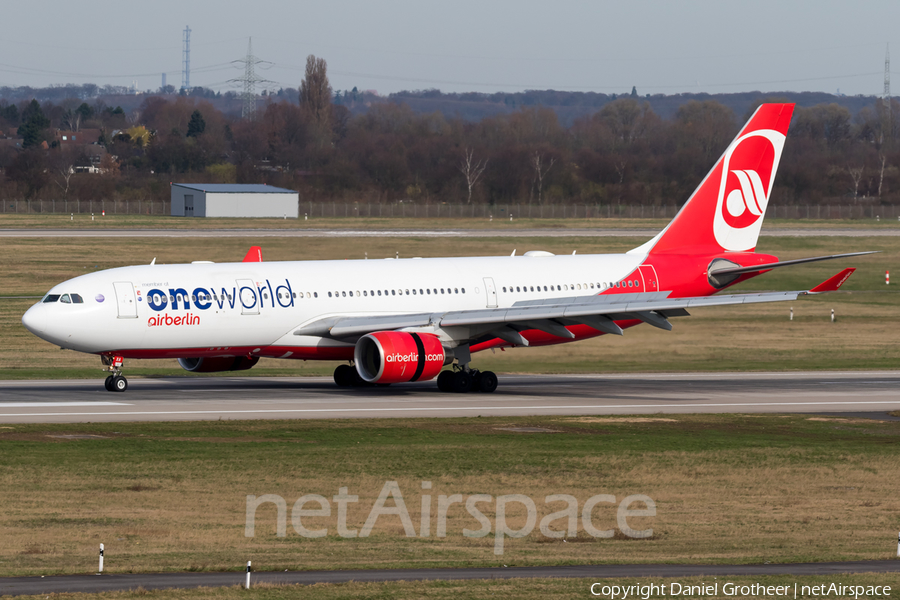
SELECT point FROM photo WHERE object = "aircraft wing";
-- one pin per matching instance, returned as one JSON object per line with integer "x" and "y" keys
{"x": 552, "y": 315}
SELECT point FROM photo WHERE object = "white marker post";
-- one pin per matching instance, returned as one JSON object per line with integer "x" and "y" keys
{"x": 792, "y": 313}
{"x": 101, "y": 560}
{"x": 832, "y": 315}
{"x": 247, "y": 583}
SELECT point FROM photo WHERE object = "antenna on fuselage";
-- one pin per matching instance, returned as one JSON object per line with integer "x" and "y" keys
{"x": 153, "y": 262}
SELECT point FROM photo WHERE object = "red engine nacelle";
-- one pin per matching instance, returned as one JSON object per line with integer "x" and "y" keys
{"x": 217, "y": 364}
{"x": 397, "y": 356}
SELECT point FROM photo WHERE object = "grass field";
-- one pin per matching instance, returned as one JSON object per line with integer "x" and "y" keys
{"x": 83, "y": 221}
{"x": 527, "y": 589}
{"x": 757, "y": 337}
{"x": 172, "y": 496}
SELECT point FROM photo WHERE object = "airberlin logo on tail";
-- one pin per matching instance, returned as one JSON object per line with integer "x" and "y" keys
{"x": 747, "y": 198}
{"x": 748, "y": 170}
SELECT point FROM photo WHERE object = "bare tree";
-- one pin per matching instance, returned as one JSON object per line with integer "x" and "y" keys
{"x": 315, "y": 96}
{"x": 62, "y": 164}
{"x": 537, "y": 163}
{"x": 855, "y": 175}
{"x": 71, "y": 120}
{"x": 471, "y": 170}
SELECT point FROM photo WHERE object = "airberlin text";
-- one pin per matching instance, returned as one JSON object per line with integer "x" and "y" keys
{"x": 169, "y": 321}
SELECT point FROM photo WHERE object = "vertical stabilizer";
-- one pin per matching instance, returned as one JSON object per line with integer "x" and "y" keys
{"x": 726, "y": 211}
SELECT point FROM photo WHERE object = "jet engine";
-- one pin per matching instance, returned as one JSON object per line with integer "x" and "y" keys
{"x": 398, "y": 356}
{"x": 217, "y": 364}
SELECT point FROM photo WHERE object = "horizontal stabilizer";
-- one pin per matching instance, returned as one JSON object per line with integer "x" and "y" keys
{"x": 785, "y": 263}
{"x": 833, "y": 283}
{"x": 253, "y": 255}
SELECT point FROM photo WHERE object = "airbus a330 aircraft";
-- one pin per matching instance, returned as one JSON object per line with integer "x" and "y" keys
{"x": 404, "y": 320}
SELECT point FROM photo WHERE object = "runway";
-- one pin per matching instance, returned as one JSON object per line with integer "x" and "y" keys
{"x": 212, "y": 398}
{"x": 61, "y": 584}
{"x": 407, "y": 233}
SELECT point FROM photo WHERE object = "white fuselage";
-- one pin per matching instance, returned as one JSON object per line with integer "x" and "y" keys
{"x": 206, "y": 309}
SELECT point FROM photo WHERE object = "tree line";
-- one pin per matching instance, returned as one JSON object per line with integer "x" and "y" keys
{"x": 344, "y": 147}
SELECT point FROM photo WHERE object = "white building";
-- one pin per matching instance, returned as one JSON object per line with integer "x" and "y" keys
{"x": 233, "y": 200}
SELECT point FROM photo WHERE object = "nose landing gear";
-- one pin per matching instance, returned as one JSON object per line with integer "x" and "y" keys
{"x": 114, "y": 382}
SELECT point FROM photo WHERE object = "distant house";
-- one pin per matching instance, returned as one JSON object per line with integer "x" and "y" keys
{"x": 77, "y": 138}
{"x": 233, "y": 200}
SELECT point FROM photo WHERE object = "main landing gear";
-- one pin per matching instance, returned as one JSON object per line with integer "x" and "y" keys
{"x": 115, "y": 382}
{"x": 464, "y": 380}
{"x": 347, "y": 376}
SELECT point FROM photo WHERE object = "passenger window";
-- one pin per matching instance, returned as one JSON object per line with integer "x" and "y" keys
{"x": 393, "y": 293}
{"x": 65, "y": 299}
{"x": 442, "y": 290}
{"x": 371, "y": 292}
{"x": 463, "y": 290}
{"x": 379, "y": 292}
{"x": 414, "y": 292}
{"x": 428, "y": 291}
{"x": 51, "y": 298}
{"x": 329, "y": 294}
{"x": 455, "y": 291}
{"x": 357, "y": 293}
{"x": 315, "y": 294}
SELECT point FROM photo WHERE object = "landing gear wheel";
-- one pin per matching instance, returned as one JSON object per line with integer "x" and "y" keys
{"x": 345, "y": 376}
{"x": 461, "y": 382}
{"x": 108, "y": 384}
{"x": 486, "y": 382}
{"x": 119, "y": 384}
{"x": 445, "y": 381}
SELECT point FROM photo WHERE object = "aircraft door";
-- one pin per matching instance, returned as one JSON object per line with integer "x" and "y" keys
{"x": 125, "y": 299}
{"x": 648, "y": 273}
{"x": 491, "y": 291}
{"x": 248, "y": 296}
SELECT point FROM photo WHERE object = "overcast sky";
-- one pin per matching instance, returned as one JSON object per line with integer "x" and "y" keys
{"x": 463, "y": 45}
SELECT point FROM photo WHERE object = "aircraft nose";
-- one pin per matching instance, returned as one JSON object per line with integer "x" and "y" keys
{"x": 32, "y": 321}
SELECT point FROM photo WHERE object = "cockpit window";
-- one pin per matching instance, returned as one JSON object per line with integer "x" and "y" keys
{"x": 65, "y": 299}
{"x": 51, "y": 297}
{"x": 77, "y": 299}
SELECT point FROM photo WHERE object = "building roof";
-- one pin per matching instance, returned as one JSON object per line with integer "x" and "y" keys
{"x": 235, "y": 188}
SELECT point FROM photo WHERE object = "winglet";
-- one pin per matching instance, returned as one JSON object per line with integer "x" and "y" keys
{"x": 254, "y": 255}
{"x": 833, "y": 283}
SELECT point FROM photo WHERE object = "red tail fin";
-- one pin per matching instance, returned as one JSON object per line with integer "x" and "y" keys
{"x": 726, "y": 211}
{"x": 253, "y": 255}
